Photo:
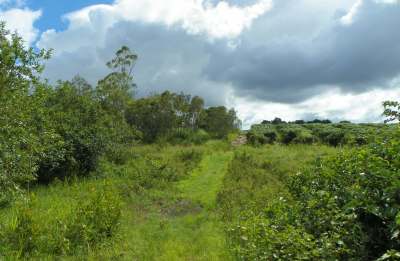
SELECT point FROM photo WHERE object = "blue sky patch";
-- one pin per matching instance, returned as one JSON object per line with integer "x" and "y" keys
{"x": 53, "y": 10}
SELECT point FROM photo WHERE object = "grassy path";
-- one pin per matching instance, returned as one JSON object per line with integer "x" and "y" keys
{"x": 185, "y": 227}
{"x": 205, "y": 181}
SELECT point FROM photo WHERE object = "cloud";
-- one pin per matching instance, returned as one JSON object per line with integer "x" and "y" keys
{"x": 333, "y": 104}
{"x": 20, "y": 19}
{"x": 172, "y": 40}
{"x": 357, "y": 56}
{"x": 176, "y": 64}
{"x": 218, "y": 20}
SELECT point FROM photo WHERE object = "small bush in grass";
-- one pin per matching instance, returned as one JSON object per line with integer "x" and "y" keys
{"x": 304, "y": 137}
{"x": 119, "y": 154}
{"x": 271, "y": 136}
{"x": 95, "y": 219}
{"x": 191, "y": 155}
{"x": 200, "y": 137}
{"x": 288, "y": 136}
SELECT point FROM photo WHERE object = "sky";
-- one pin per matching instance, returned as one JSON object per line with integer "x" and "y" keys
{"x": 293, "y": 59}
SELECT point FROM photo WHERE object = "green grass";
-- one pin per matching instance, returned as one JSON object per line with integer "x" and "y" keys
{"x": 181, "y": 212}
{"x": 169, "y": 220}
{"x": 185, "y": 227}
{"x": 205, "y": 181}
{"x": 256, "y": 176}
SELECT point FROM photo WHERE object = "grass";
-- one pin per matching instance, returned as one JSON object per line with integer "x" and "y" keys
{"x": 175, "y": 200}
{"x": 205, "y": 181}
{"x": 184, "y": 227}
{"x": 161, "y": 221}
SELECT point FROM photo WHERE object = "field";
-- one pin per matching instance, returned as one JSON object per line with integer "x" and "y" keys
{"x": 199, "y": 202}
{"x": 176, "y": 213}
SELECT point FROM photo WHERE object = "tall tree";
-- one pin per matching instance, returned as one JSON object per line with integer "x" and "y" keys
{"x": 81, "y": 85}
{"x": 118, "y": 87}
{"x": 196, "y": 111}
{"x": 219, "y": 121}
{"x": 20, "y": 145}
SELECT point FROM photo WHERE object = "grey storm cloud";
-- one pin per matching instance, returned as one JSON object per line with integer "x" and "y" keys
{"x": 169, "y": 59}
{"x": 355, "y": 57}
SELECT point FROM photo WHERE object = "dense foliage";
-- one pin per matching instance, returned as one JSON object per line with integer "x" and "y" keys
{"x": 342, "y": 207}
{"x": 179, "y": 117}
{"x": 324, "y": 133}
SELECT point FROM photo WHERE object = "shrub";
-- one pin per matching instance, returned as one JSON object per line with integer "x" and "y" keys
{"x": 343, "y": 207}
{"x": 262, "y": 237}
{"x": 271, "y": 137}
{"x": 288, "y": 136}
{"x": 95, "y": 219}
{"x": 87, "y": 132}
{"x": 352, "y": 199}
{"x": 200, "y": 137}
{"x": 262, "y": 134}
{"x": 335, "y": 138}
{"x": 304, "y": 137}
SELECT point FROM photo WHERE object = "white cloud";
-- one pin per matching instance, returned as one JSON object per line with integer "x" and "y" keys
{"x": 364, "y": 107}
{"x": 195, "y": 16}
{"x": 350, "y": 16}
{"x": 21, "y": 20}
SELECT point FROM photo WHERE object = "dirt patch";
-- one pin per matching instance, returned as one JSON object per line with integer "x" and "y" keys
{"x": 181, "y": 208}
{"x": 241, "y": 140}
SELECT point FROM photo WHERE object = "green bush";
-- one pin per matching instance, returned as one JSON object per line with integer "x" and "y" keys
{"x": 87, "y": 132}
{"x": 288, "y": 136}
{"x": 271, "y": 137}
{"x": 262, "y": 134}
{"x": 330, "y": 134}
{"x": 268, "y": 236}
{"x": 200, "y": 137}
{"x": 94, "y": 218}
{"x": 304, "y": 137}
{"x": 345, "y": 207}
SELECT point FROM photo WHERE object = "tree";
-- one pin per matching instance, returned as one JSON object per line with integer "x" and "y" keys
{"x": 196, "y": 110}
{"x": 391, "y": 110}
{"x": 153, "y": 116}
{"x": 20, "y": 68}
{"x": 159, "y": 115}
{"x": 82, "y": 86}
{"x": 20, "y": 144}
{"x": 117, "y": 89}
{"x": 124, "y": 61}
{"x": 219, "y": 121}
{"x": 277, "y": 121}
